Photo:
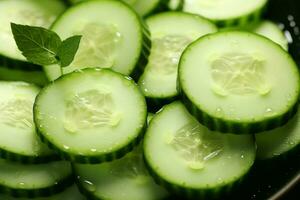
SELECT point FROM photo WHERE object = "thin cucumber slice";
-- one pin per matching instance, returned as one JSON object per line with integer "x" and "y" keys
{"x": 91, "y": 116}
{"x": 125, "y": 179}
{"x": 70, "y": 193}
{"x": 239, "y": 82}
{"x": 279, "y": 142}
{"x": 227, "y": 12}
{"x": 18, "y": 138}
{"x": 36, "y": 77}
{"x": 272, "y": 31}
{"x": 113, "y": 37}
{"x": 30, "y": 12}
{"x": 171, "y": 33}
{"x": 194, "y": 158}
{"x": 39, "y": 180}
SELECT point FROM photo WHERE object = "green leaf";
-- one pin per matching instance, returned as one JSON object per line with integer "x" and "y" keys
{"x": 37, "y": 44}
{"x": 68, "y": 49}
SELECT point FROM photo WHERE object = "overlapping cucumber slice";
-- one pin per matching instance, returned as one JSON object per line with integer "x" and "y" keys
{"x": 119, "y": 42}
{"x": 92, "y": 115}
{"x": 239, "y": 82}
{"x": 158, "y": 81}
{"x": 18, "y": 138}
{"x": 125, "y": 179}
{"x": 195, "y": 162}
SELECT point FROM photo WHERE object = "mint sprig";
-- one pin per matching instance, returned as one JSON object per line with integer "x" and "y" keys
{"x": 44, "y": 47}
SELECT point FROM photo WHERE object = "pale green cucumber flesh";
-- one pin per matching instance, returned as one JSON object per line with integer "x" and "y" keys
{"x": 272, "y": 31}
{"x": 194, "y": 158}
{"x": 171, "y": 33}
{"x": 128, "y": 176}
{"x": 91, "y": 113}
{"x": 239, "y": 79}
{"x": 18, "y": 135}
{"x": 280, "y": 141}
{"x": 224, "y": 10}
{"x": 108, "y": 40}
{"x": 29, "y": 12}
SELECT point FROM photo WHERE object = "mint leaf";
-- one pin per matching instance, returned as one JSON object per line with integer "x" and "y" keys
{"x": 67, "y": 50}
{"x": 37, "y": 44}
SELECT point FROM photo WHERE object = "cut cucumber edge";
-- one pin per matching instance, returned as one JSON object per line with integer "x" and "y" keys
{"x": 234, "y": 126}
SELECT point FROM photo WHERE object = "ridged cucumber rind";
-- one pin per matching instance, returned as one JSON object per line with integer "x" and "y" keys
{"x": 74, "y": 156}
{"x": 15, "y": 157}
{"x": 183, "y": 190}
{"x": 235, "y": 126}
{"x": 280, "y": 143}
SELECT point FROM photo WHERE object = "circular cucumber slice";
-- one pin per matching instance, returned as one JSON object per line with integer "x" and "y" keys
{"x": 34, "y": 180}
{"x": 70, "y": 193}
{"x": 239, "y": 82}
{"x": 272, "y": 31}
{"x": 128, "y": 176}
{"x": 171, "y": 33}
{"x": 227, "y": 12}
{"x": 113, "y": 36}
{"x": 29, "y": 12}
{"x": 194, "y": 158}
{"x": 18, "y": 138}
{"x": 278, "y": 142}
{"x": 92, "y": 115}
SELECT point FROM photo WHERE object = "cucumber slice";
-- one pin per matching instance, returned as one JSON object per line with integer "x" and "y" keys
{"x": 30, "y": 12}
{"x": 70, "y": 193}
{"x": 21, "y": 180}
{"x": 272, "y": 31}
{"x": 36, "y": 77}
{"x": 91, "y": 116}
{"x": 194, "y": 158}
{"x": 158, "y": 82}
{"x": 142, "y": 7}
{"x": 279, "y": 142}
{"x": 227, "y": 12}
{"x": 128, "y": 176}
{"x": 113, "y": 37}
{"x": 16, "y": 121}
{"x": 239, "y": 82}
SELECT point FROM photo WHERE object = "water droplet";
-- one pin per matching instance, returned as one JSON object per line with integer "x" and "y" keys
{"x": 66, "y": 147}
{"x": 242, "y": 156}
{"x": 93, "y": 150}
{"x": 89, "y": 186}
{"x": 22, "y": 184}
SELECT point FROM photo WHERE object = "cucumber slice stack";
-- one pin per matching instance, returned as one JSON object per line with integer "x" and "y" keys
{"x": 224, "y": 100}
{"x": 13, "y": 66}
